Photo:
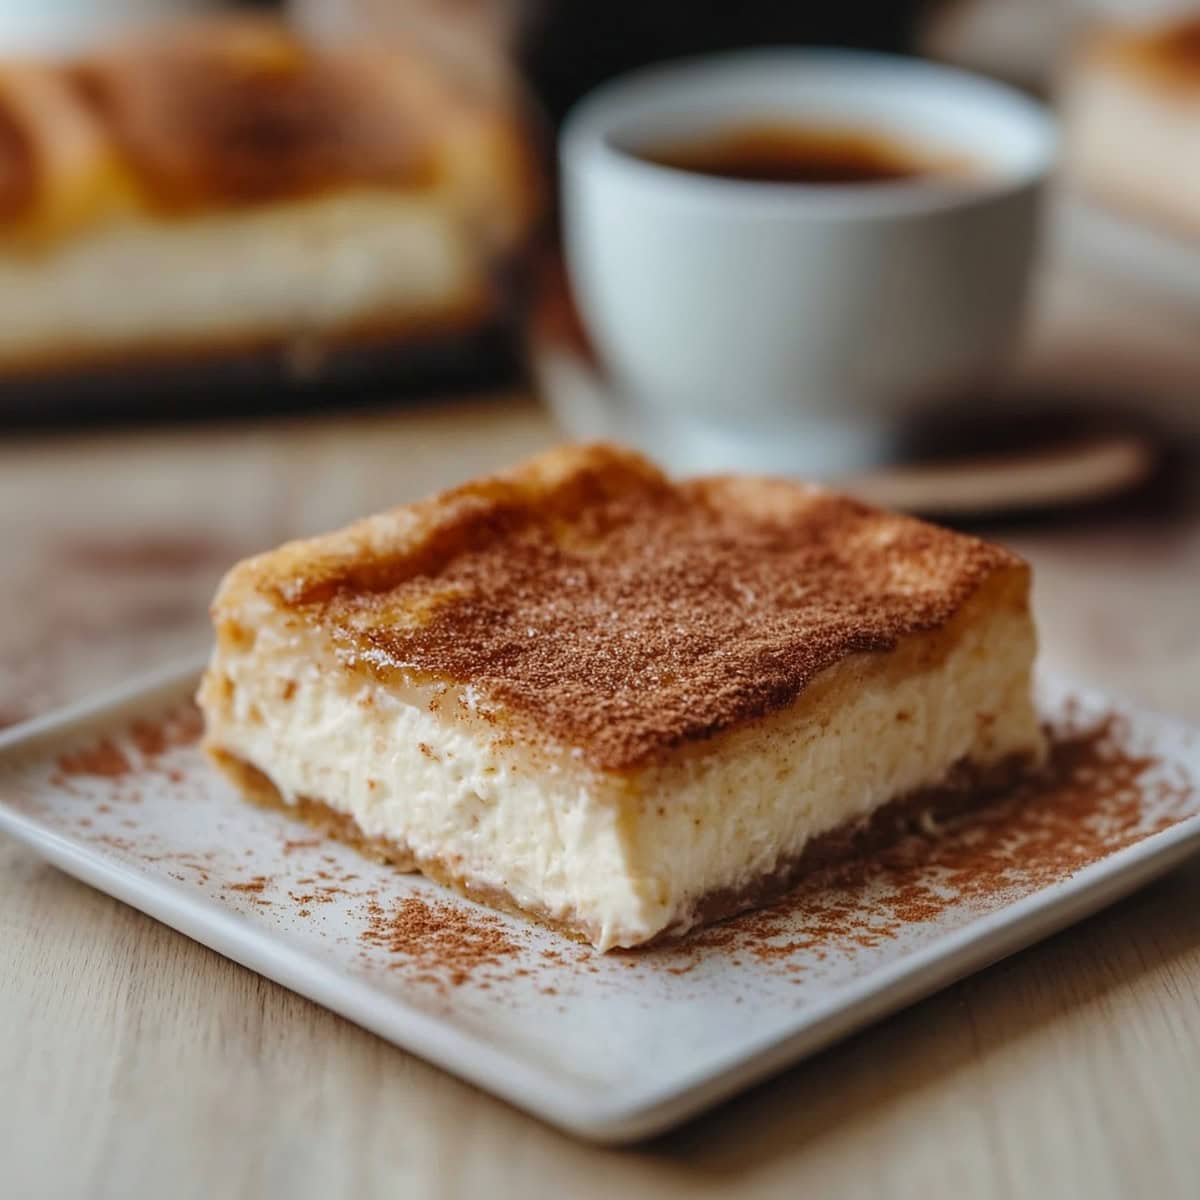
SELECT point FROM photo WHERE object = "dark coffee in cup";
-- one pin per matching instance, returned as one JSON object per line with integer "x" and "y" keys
{"x": 772, "y": 152}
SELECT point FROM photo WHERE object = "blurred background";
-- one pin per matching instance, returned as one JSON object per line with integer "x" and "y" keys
{"x": 259, "y": 279}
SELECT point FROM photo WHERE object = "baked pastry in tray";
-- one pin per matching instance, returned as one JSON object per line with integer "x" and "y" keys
{"x": 217, "y": 188}
{"x": 1131, "y": 115}
{"x": 623, "y": 705}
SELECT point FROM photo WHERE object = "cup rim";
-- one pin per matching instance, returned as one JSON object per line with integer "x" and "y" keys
{"x": 586, "y": 139}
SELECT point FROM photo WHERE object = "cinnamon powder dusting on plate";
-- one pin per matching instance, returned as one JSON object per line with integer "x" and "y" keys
{"x": 181, "y": 727}
{"x": 441, "y": 941}
{"x": 104, "y": 759}
{"x": 254, "y": 886}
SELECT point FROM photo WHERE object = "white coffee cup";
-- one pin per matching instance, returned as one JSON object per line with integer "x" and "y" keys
{"x": 787, "y": 326}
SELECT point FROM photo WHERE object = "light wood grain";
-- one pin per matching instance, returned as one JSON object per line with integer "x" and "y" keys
{"x": 134, "y": 1063}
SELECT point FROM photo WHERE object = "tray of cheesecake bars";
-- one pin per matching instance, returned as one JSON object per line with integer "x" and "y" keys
{"x": 609, "y": 793}
{"x": 227, "y": 210}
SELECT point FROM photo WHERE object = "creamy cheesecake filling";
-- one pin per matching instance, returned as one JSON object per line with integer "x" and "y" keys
{"x": 440, "y": 788}
{"x": 309, "y": 267}
{"x": 621, "y": 857}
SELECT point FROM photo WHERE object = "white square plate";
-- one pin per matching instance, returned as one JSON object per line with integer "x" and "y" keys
{"x": 610, "y": 1047}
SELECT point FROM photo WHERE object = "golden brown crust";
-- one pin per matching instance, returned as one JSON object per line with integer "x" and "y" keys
{"x": 250, "y": 114}
{"x": 240, "y": 111}
{"x": 58, "y": 168}
{"x": 18, "y": 167}
{"x": 605, "y": 608}
{"x": 967, "y": 785}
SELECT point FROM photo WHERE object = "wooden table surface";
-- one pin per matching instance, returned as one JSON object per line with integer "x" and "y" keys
{"x": 134, "y": 1063}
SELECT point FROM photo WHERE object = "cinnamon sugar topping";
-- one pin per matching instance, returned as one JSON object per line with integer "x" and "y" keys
{"x": 244, "y": 112}
{"x": 618, "y": 612}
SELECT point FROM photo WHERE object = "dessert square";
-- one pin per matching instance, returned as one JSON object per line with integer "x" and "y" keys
{"x": 620, "y": 704}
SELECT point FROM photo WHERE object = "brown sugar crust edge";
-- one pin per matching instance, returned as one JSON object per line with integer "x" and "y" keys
{"x": 239, "y": 111}
{"x": 966, "y": 785}
{"x": 610, "y": 610}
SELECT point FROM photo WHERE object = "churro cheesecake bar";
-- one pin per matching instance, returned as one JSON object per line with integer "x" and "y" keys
{"x": 620, "y": 704}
